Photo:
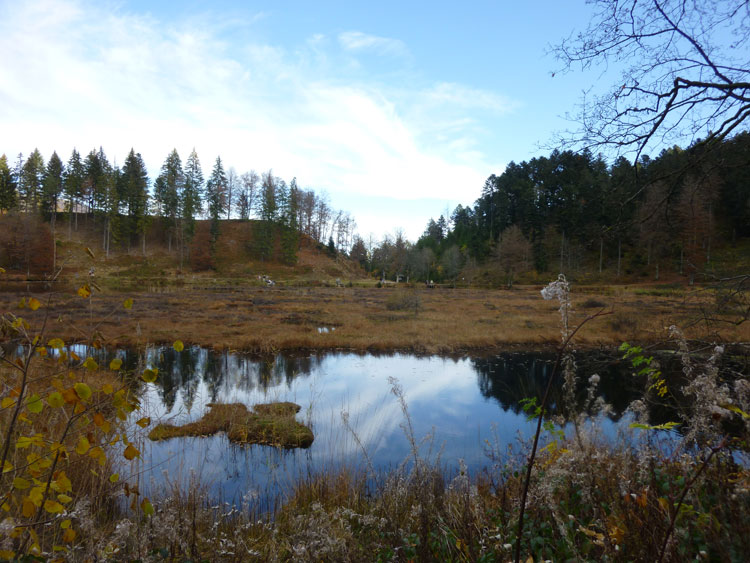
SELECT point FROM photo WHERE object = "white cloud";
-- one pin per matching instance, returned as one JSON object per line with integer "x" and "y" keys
{"x": 78, "y": 75}
{"x": 358, "y": 41}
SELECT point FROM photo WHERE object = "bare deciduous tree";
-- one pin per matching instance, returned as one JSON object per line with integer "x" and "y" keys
{"x": 685, "y": 72}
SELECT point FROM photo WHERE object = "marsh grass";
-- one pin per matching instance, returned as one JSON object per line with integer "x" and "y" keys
{"x": 271, "y": 424}
{"x": 263, "y": 320}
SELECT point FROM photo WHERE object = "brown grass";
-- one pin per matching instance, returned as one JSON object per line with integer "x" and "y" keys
{"x": 262, "y": 320}
{"x": 271, "y": 424}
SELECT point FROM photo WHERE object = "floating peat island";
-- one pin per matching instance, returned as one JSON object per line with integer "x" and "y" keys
{"x": 271, "y": 424}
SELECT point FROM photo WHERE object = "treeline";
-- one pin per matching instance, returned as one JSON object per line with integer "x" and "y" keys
{"x": 572, "y": 212}
{"x": 122, "y": 202}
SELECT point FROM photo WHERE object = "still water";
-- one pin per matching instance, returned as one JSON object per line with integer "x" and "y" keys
{"x": 458, "y": 409}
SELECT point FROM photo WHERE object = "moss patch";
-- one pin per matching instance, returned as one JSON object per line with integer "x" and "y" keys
{"x": 271, "y": 424}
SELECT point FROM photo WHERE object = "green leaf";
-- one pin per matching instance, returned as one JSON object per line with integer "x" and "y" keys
{"x": 34, "y": 404}
{"x": 55, "y": 399}
{"x": 83, "y": 391}
{"x": 147, "y": 507}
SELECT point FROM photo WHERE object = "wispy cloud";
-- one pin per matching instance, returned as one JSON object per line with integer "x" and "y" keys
{"x": 358, "y": 41}
{"x": 76, "y": 74}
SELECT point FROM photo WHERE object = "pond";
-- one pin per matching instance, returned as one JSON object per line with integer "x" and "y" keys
{"x": 458, "y": 409}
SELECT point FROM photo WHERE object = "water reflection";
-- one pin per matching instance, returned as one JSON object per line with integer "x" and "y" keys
{"x": 456, "y": 407}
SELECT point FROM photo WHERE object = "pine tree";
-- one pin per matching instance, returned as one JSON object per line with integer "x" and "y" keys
{"x": 134, "y": 187}
{"x": 289, "y": 224}
{"x": 216, "y": 189}
{"x": 268, "y": 206}
{"x": 52, "y": 188}
{"x": 190, "y": 201}
{"x": 167, "y": 190}
{"x": 73, "y": 187}
{"x": 32, "y": 177}
{"x": 8, "y": 195}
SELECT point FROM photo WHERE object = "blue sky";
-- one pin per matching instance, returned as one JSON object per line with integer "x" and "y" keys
{"x": 398, "y": 111}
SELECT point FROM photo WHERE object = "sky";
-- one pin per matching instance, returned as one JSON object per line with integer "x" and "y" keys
{"x": 398, "y": 111}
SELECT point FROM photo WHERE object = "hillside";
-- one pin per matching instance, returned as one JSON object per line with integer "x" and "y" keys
{"x": 25, "y": 250}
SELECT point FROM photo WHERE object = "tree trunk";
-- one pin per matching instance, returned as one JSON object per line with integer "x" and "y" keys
{"x": 562, "y": 248}
{"x": 601, "y": 253}
{"x": 619, "y": 256}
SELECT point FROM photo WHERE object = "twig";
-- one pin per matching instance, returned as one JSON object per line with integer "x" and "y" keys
{"x": 530, "y": 464}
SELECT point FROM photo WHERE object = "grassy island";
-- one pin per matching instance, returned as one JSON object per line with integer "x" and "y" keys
{"x": 271, "y": 424}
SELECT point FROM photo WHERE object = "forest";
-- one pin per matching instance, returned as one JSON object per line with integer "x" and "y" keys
{"x": 570, "y": 212}
{"x": 126, "y": 207}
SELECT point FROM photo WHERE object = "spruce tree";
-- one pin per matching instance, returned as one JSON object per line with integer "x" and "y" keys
{"x": 73, "y": 187}
{"x": 52, "y": 188}
{"x": 190, "y": 201}
{"x": 8, "y": 195}
{"x": 32, "y": 177}
{"x": 216, "y": 189}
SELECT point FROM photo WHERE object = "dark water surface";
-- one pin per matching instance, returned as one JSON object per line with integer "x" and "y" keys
{"x": 457, "y": 409}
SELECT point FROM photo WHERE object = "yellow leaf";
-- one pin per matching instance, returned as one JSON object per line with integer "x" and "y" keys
{"x": 53, "y": 507}
{"x": 147, "y": 507}
{"x": 23, "y": 442}
{"x": 2, "y": 270}
{"x": 114, "y": 477}
{"x": 65, "y": 524}
{"x": 149, "y": 375}
{"x": 21, "y": 483}
{"x": 664, "y": 503}
{"x": 34, "y": 304}
{"x": 27, "y": 508}
{"x": 128, "y": 303}
{"x": 69, "y": 535}
{"x": 145, "y": 421}
{"x": 62, "y": 484}
{"x": 6, "y": 507}
{"x": 5, "y": 554}
{"x": 34, "y": 404}
{"x": 55, "y": 399}
{"x": 7, "y": 402}
{"x": 82, "y": 390}
{"x": 84, "y": 291}
{"x": 107, "y": 389}
{"x": 178, "y": 345}
{"x": 98, "y": 454}
{"x": 131, "y": 452}
{"x": 90, "y": 364}
{"x": 22, "y": 303}
{"x": 83, "y": 445}
{"x": 7, "y": 467}
{"x": 115, "y": 364}
{"x": 41, "y": 350}
{"x": 736, "y": 409}
{"x": 56, "y": 343}
{"x": 65, "y": 499}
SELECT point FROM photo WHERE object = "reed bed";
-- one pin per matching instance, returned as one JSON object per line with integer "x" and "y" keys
{"x": 443, "y": 320}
